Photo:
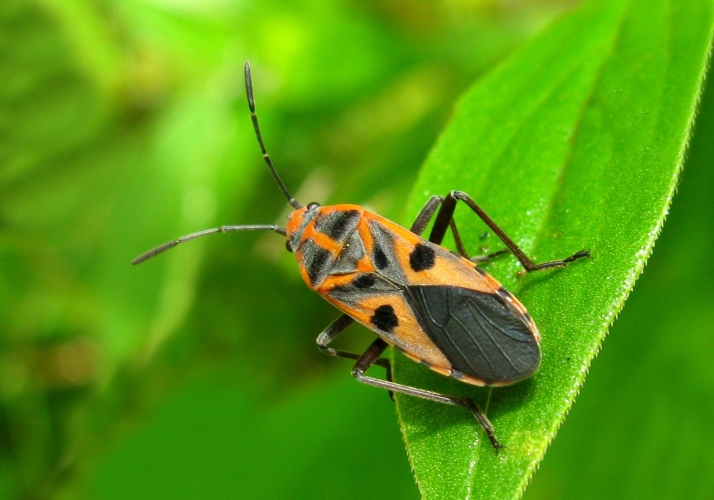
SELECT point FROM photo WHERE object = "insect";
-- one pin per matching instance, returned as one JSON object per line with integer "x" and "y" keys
{"x": 435, "y": 306}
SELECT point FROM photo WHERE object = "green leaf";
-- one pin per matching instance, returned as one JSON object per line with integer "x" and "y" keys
{"x": 656, "y": 373}
{"x": 574, "y": 142}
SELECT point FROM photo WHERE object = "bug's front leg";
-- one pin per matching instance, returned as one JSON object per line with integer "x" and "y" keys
{"x": 427, "y": 213}
{"x": 444, "y": 219}
{"x": 372, "y": 355}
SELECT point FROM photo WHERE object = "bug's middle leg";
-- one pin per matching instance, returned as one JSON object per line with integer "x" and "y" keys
{"x": 372, "y": 355}
{"x": 332, "y": 331}
{"x": 485, "y": 258}
{"x": 446, "y": 215}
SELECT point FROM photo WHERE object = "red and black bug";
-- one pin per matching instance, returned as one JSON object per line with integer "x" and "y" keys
{"x": 438, "y": 308}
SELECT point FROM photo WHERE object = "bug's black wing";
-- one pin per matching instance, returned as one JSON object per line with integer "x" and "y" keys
{"x": 480, "y": 334}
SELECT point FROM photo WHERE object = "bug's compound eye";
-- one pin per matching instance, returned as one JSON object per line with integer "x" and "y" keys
{"x": 288, "y": 246}
{"x": 313, "y": 206}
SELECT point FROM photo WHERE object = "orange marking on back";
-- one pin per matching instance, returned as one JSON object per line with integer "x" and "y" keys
{"x": 448, "y": 270}
{"x": 364, "y": 265}
{"x": 321, "y": 240}
{"x": 303, "y": 274}
{"x": 490, "y": 279}
{"x": 441, "y": 370}
{"x": 294, "y": 221}
{"x": 474, "y": 381}
{"x": 407, "y": 335}
{"x": 342, "y": 207}
{"x": 334, "y": 281}
{"x": 363, "y": 229}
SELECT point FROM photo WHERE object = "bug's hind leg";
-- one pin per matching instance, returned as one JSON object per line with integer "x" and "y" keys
{"x": 372, "y": 355}
{"x": 446, "y": 215}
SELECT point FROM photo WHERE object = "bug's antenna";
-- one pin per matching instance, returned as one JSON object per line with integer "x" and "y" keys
{"x": 223, "y": 229}
{"x": 251, "y": 104}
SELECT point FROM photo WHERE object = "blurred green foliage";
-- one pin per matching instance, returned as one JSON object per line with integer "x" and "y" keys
{"x": 123, "y": 124}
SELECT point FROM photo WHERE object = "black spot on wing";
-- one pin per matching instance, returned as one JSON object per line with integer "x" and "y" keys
{"x": 384, "y": 255}
{"x": 422, "y": 257}
{"x": 364, "y": 281}
{"x": 338, "y": 225}
{"x": 480, "y": 335}
{"x": 384, "y": 318}
{"x": 380, "y": 259}
{"x": 317, "y": 261}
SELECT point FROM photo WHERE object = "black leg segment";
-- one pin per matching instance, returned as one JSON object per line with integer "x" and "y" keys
{"x": 486, "y": 258}
{"x": 332, "y": 331}
{"x": 372, "y": 355}
{"x": 445, "y": 217}
{"x": 425, "y": 214}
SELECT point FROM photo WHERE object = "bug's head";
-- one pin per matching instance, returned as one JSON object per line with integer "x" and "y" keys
{"x": 297, "y": 222}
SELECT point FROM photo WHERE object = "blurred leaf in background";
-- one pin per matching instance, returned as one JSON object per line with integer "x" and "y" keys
{"x": 123, "y": 124}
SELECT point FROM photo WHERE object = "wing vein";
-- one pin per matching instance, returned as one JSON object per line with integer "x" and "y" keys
{"x": 479, "y": 316}
{"x": 476, "y": 343}
{"x": 444, "y": 330}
